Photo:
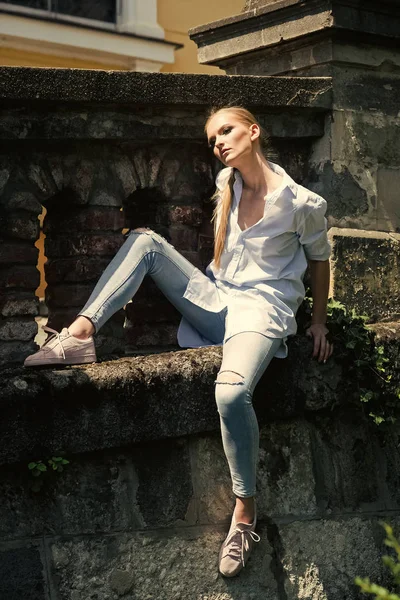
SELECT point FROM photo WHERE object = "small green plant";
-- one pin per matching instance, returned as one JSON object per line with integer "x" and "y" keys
{"x": 363, "y": 361}
{"x": 393, "y": 564}
{"x": 40, "y": 468}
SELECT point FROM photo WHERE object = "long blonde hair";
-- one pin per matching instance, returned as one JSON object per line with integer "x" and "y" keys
{"x": 223, "y": 200}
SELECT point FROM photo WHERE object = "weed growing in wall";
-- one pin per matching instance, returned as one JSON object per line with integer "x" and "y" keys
{"x": 373, "y": 382}
{"x": 41, "y": 470}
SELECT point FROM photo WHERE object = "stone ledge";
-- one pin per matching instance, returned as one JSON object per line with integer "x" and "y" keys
{"x": 129, "y": 400}
{"x": 22, "y": 84}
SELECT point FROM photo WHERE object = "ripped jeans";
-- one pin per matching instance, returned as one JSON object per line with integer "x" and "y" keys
{"x": 245, "y": 355}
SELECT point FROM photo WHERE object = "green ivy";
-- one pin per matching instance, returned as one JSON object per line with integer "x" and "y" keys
{"x": 364, "y": 363}
{"x": 39, "y": 468}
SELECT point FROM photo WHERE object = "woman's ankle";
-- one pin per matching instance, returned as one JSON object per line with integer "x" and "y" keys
{"x": 82, "y": 328}
{"x": 245, "y": 510}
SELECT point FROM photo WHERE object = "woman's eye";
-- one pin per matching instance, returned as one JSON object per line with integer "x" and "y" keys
{"x": 211, "y": 144}
{"x": 227, "y": 130}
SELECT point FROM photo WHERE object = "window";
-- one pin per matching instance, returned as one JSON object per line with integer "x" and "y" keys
{"x": 97, "y": 10}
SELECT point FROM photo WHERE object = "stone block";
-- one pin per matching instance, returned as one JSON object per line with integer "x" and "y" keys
{"x": 365, "y": 274}
{"x": 22, "y": 573}
{"x": 85, "y": 244}
{"x": 184, "y": 238}
{"x": 14, "y": 252}
{"x": 93, "y": 493}
{"x": 164, "y": 482}
{"x": 15, "y": 329}
{"x": 94, "y": 218}
{"x": 21, "y": 225}
{"x": 15, "y": 306}
{"x": 75, "y": 270}
{"x": 171, "y": 566}
{"x": 347, "y": 464}
{"x": 285, "y": 479}
{"x": 20, "y": 276}
{"x": 320, "y": 559}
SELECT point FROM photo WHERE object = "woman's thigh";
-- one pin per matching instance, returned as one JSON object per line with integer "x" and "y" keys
{"x": 245, "y": 358}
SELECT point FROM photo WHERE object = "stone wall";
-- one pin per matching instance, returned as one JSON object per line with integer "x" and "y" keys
{"x": 140, "y": 511}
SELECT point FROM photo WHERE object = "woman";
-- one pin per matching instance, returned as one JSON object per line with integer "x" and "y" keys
{"x": 266, "y": 229}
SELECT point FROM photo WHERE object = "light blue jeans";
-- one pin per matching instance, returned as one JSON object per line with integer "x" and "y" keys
{"x": 245, "y": 355}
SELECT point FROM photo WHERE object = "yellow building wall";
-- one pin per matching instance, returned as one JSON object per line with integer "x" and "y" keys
{"x": 178, "y": 16}
{"x": 175, "y": 16}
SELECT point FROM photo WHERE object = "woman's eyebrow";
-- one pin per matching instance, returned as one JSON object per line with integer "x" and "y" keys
{"x": 212, "y": 138}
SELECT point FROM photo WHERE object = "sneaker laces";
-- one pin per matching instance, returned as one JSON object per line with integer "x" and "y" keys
{"x": 244, "y": 544}
{"x": 54, "y": 334}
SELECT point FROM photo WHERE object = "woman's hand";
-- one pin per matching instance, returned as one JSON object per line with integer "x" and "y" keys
{"x": 323, "y": 348}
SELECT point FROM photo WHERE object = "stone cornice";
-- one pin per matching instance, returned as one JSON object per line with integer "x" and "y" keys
{"x": 287, "y": 20}
{"x": 19, "y": 85}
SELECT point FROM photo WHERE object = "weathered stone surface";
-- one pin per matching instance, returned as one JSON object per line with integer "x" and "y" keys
{"x": 67, "y": 295}
{"x": 348, "y": 464}
{"x": 346, "y": 198}
{"x": 16, "y": 352}
{"x": 322, "y": 558}
{"x": 74, "y": 85}
{"x": 21, "y": 199}
{"x": 162, "y": 334}
{"x": 285, "y": 482}
{"x": 14, "y": 329}
{"x": 79, "y": 269}
{"x": 17, "y": 305}
{"x": 24, "y": 226}
{"x": 366, "y": 271}
{"x": 186, "y": 215}
{"x": 154, "y": 565}
{"x": 14, "y": 252}
{"x": 93, "y": 493}
{"x": 213, "y": 499}
{"x": 87, "y": 219}
{"x": 22, "y": 573}
{"x": 164, "y": 482}
{"x": 85, "y": 244}
{"x": 388, "y": 186}
{"x": 184, "y": 237}
{"x": 20, "y": 276}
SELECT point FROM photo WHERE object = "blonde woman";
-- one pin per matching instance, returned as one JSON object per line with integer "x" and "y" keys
{"x": 267, "y": 229}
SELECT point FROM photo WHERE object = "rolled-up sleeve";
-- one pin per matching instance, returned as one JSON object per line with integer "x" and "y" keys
{"x": 312, "y": 228}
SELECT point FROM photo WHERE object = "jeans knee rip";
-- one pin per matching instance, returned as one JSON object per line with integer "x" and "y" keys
{"x": 231, "y": 379}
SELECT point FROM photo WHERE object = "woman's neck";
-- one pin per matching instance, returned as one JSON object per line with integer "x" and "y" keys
{"x": 258, "y": 177}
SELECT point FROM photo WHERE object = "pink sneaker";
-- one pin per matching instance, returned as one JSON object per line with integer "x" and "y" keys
{"x": 237, "y": 547}
{"x": 62, "y": 349}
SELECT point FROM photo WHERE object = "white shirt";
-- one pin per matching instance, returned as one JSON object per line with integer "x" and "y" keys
{"x": 260, "y": 280}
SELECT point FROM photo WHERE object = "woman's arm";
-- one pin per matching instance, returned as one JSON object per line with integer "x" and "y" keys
{"x": 319, "y": 273}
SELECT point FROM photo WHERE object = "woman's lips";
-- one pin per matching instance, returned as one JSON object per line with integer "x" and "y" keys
{"x": 225, "y": 151}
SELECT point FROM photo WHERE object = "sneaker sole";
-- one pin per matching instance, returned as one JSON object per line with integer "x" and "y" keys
{"x": 62, "y": 362}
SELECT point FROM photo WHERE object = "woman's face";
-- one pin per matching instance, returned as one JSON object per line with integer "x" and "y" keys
{"x": 230, "y": 138}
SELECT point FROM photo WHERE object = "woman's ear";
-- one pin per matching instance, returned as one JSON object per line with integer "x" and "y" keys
{"x": 254, "y": 132}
